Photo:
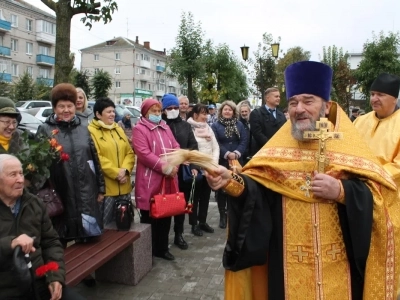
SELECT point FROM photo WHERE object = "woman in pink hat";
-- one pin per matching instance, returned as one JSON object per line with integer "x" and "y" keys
{"x": 153, "y": 137}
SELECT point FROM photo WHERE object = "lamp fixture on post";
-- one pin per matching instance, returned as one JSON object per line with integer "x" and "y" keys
{"x": 245, "y": 52}
{"x": 275, "y": 50}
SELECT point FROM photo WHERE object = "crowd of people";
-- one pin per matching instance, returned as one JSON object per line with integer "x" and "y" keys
{"x": 338, "y": 229}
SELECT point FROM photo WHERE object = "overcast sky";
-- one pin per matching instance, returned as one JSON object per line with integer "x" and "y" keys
{"x": 310, "y": 24}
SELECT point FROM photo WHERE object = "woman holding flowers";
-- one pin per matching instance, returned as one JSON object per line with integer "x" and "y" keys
{"x": 76, "y": 176}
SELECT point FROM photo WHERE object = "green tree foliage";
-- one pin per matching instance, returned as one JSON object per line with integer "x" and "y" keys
{"x": 6, "y": 89}
{"x": 65, "y": 10}
{"x": 81, "y": 79}
{"x": 380, "y": 55}
{"x": 24, "y": 88}
{"x": 291, "y": 56}
{"x": 101, "y": 82}
{"x": 185, "y": 61}
{"x": 224, "y": 77}
{"x": 42, "y": 90}
{"x": 342, "y": 75}
{"x": 264, "y": 65}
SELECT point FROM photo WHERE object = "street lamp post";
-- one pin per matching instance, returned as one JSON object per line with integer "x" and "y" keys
{"x": 245, "y": 56}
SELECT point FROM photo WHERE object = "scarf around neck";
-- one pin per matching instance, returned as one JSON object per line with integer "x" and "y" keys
{"x": 200, "y": 129}
{"x": 230, "y": 126}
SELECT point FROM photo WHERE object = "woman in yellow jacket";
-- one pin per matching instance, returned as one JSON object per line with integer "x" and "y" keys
{"x": 115, "y": 153}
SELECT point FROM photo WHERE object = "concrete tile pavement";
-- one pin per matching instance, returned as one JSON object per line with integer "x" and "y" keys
{"x": 196, "y": 273}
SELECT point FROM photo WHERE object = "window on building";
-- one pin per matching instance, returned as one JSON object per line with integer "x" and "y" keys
{"x": 145, "y": 57}
{"x": 137, "y": 84}
{"x": 149, "y": 87}
{"x": 96, "y": 57}
{"x": 29, "y": 70}
{"x": 1, "y": 40}
{"x": 48, "y": 27}
{"x": 44, "y": 73}
{"x": 14, "y": 20}
{"x": 118, "y": 84}
{"x": 14, "y": 45}
{"x": 154, "y": 62}
{"x": 1, "y": 15}
{"x": 117, "y": 56}
{"x": 143, "y": 85}
{"x": 44, "y": 50}
{"x": 137, "y": 56}
{"x": 117, "y": 70}
{"x": 5, "y": 65}
{"x": 29, "y": 25}
{"x": 96, "y": 70}
{"x": 171, "y": 89}
{"x": 29, "y": 48}
{"x": 14, "y": 70}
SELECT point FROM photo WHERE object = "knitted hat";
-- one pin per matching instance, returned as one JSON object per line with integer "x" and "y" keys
{"x": 169, "y": 100}
{"x": 146, "y": 105}
{"x": 387, "y": 83}
{"x": 7, "y": 107}
{"x": 308, "y": 77}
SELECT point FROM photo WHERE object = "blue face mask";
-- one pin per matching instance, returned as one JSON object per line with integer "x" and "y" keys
{"x": 154, "y": 118}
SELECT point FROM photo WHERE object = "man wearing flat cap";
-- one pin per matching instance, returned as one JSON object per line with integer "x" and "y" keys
{"x": 311, "y": 217}
{"x": 381, "y": 127}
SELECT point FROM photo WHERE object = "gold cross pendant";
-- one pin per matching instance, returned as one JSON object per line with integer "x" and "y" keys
{"x": 307, "y": 187}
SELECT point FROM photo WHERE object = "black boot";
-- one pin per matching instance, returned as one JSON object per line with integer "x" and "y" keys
{"x": 180, "y": 241}
{"x": 222, "y": 219}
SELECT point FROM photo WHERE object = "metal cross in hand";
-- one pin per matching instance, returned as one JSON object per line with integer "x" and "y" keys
{"x": 322, "y": 135}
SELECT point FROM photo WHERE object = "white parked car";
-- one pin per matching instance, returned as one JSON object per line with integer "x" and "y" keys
{"x": 40, "y": 113}
{"x": 134, "y": 110}
{"x": 28, "y": 104}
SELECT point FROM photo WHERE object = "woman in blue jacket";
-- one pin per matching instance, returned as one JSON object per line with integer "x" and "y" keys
{"x": 232, "y": 138}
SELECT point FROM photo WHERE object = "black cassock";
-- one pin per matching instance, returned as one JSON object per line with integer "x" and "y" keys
{"x": 256, "y": 233}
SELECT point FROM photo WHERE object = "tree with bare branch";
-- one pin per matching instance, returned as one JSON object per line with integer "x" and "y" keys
{"x": 65, "y": 10}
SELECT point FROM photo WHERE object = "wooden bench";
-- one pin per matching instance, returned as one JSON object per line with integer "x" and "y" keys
{"x": 82, "y": 260}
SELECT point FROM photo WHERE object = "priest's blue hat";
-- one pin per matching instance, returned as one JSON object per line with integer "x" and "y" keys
{"x": 308, "y": 77}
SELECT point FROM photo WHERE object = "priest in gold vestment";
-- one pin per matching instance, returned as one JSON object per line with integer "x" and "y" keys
{"x": 380, "y": 128}
{"x": 296, "y": 233}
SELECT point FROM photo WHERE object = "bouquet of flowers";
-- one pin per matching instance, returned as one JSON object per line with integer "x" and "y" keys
{"x": 38, "y": 155}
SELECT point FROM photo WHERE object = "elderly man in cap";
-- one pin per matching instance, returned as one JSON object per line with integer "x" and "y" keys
{"x": 25, "y": 224}
{"x": 312, "y": 216}
{"x": 212, "y": 116}
{"x": 381, "y": 127}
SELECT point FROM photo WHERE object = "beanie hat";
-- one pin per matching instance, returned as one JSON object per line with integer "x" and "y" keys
{"x": 387, "y": 83}
{"x": 169, "y": 100}
{"x": 308, "y": 77}
{"x": 7, "y": 107}
{"x": 146, "y": 105}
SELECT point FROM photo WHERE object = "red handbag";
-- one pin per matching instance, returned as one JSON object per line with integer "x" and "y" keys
{"x": 167, "y": 205}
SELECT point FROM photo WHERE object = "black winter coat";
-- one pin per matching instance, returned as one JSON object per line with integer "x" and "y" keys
{"x": 31, "y": 220}
{"x": 184, "y": 135}
{"x": 74, "y": 180}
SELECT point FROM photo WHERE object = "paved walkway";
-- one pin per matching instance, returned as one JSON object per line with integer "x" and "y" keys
{"x": 196, "y": 273}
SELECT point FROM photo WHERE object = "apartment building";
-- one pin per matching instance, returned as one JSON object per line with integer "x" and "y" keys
{"x": 27, "y": 42}
{"x": 138, "y": 71}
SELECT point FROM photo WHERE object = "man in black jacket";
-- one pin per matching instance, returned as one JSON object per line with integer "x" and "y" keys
{"x": 26, "y": 224}
{"x": 184, "y": 135}
{"x": 266, "y": 120}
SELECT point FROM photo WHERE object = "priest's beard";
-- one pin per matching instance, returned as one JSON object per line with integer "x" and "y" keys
{"x": 297, "y": 131}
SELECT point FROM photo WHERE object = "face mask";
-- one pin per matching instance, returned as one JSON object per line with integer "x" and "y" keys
{"x": 172, "y": 114}
{"x": 154, "y": 118}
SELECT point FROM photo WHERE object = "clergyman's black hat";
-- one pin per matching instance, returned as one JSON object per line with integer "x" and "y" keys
{"x": 387, "y": 83}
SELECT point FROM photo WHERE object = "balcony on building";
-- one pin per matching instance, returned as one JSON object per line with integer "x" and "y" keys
{"x": 145, "y": 64}
{"x": 5, "y": 51}
{"x": 172, "y": 83}
{"x": 5, "y": 26}
{"x": 5, "y": 77}
{"x": 45, "y": 60}
{"x": 45, "y": 81}
{"x": 160, "y": 68}
{"x": 43, "y": 36}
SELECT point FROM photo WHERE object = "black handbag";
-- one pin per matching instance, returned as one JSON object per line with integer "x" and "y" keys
{"x": 124, "y": 214}
{"x": 53, "y": 202}
{"x": 187, "y": 174}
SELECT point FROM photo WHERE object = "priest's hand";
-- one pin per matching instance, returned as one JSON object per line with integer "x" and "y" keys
{"x": 219, "y": 178}
{"x": 325, "y": 186}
